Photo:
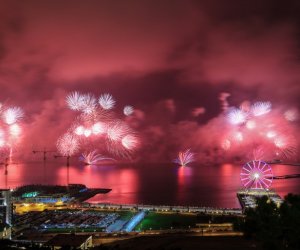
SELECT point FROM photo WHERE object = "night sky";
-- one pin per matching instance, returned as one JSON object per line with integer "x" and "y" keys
{"x": 171, "y": 60}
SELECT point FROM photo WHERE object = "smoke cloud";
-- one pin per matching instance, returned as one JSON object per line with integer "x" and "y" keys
{"x": 180, "y": 64}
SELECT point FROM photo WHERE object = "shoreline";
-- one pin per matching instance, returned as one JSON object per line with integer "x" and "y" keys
{"x": 165, "y": 208}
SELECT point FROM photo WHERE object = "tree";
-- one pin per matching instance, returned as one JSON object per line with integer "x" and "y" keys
{"x": 275, "y": 227}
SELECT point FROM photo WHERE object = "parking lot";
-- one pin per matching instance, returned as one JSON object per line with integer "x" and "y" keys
{"x": 66, "y": 220}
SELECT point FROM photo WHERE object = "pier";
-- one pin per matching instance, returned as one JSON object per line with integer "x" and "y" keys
{"x": 248, "y": 197}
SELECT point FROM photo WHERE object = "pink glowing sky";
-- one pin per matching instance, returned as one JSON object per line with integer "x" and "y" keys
{"x": 169, "y": 59}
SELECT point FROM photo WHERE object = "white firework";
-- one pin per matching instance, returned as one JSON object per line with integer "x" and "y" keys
{"x": 89, "y": 103}
{"x": 67, "y": 144}
{"x": 75, "y": 101}
{"x": 99, "y": 128}
{"x": 236, "y": 116}
{"x": 261, "y": 108}
{"x": 79, "y": 130}
{"x": 2, "y": 138}
{"x": 12, "y": 115}
{"x": 106, "y": 101}
{"x": 128, "y": 110}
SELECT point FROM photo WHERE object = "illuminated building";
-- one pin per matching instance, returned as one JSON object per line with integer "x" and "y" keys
{"x": 6, "y": 207}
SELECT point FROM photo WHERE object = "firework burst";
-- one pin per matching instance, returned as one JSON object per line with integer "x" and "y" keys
{"x": 97, "y": 125}
{"x": 67, "y": 144}
{"x": 236, "y": 116}
{"x": 106, "y": 101}
{"x": 130, "y": 142}
{"x": 261, "y": 108}
{"x": 259, "y": 125}
{"x": 12, "y": 115}
{"x": 128, "y": 110}
{"x": 75, "y": 101}
{"x": 184, "y": 158}
{"x": 117, "y": 130}
{"x": 93, "y": 158}
{"x": 10, "y": 129}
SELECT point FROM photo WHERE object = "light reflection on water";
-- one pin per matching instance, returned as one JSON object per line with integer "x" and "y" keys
{"x": 150, "y": 183}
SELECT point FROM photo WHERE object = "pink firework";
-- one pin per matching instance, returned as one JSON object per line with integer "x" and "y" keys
{"x": 184, "y": 158}
{"x": 93, "y": 158}
{"x": 121, "y": 140}
{"x": 67, "y": 144}
{"x": 258, "y": 125}
{"x": 117, "y": 130}
{"x": 130, "y": 142}
{"x": 99, "y": 128}
{"x": 97, "y": 125}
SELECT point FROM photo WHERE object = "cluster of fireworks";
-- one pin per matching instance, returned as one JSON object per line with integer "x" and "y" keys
{"x": 251, "y": 131}
{"x": 10, "y": 129}
{"x": 96, "y": 127}
{"x": 258, "y": 127}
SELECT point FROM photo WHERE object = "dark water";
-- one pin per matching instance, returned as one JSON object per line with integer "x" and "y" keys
{"x": 214, "y": 186}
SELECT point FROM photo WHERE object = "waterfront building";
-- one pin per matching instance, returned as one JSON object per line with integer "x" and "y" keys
{"x": 6, "y": 207}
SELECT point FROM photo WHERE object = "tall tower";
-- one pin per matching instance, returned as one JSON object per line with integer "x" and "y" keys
{"x": 6, "y": 207}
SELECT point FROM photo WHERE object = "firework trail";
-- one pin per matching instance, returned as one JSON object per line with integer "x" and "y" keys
{"x": 122, "y": 141}
{"x": 257, "y": 154}
{"x": 130, "y": 141}
{"x": 93, "y": 158}
{"x": 184, "y": 158}
{"x": 117, "y": 130}
{"x": 10, "y": 128}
